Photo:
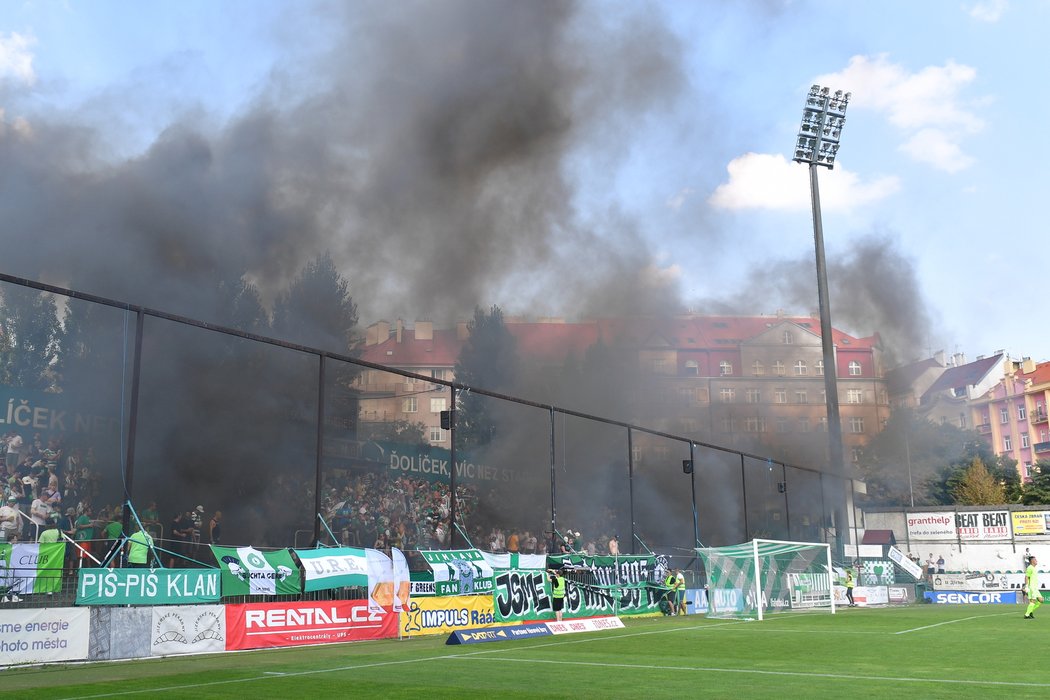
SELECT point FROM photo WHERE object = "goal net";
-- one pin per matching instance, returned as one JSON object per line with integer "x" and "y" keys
{"x": 752, "y": 579}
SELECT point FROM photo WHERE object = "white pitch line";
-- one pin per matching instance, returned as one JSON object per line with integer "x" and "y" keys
{"x": 440, "y": 657}
{"x": 949, "y": 622}
{"x": 759, "y": 672}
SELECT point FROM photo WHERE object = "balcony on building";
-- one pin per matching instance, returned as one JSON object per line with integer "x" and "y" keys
{"x": 1039, "y": 416}
{"x": 1040, "y": 447}
{"x": 984, "y": 428}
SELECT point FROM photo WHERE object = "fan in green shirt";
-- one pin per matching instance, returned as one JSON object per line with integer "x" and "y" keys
{"x": 139, "y": 546}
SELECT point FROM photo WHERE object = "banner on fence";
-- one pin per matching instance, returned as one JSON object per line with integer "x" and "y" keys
{"x": 522, "y": 596}
{"x": 459, "y": 572}
{"x": 333, "y": 567}
{"x": 983, "y": 525}
{"x": 257, "y": 625}
{"x": 931, "y": 526}
{"x": 147, "y": 586}
{"x": 1030, "y": 522}
{"x": 898, "y": 558}
{"x": 32, "y": 568}
{"x": 187, "y": 629}
{"x": 44, "y": 635}
{"x": 445, "y": 614}
{"x": 247, "y": 571}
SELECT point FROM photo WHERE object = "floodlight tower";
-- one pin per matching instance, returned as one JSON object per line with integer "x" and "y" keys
{"x": 818, "y": 144}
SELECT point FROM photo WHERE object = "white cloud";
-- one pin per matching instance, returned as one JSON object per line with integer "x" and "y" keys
{"x": 926, "y": 105}
{"x": 763, "y": 181}
{"x": 675, "y": 201}
{"x": 936, "y": 148}
{"x": 988, "y": 10}
{"x": 16, "y": 60}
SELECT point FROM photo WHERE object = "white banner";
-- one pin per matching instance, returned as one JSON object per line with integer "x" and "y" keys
{"x": 983, "y": 525}
{"x": 931, "y": 526}
{"x": 44, "y": 635}
{"x": 187, "y": 629}
{"x": 590, "y": 624}
{"x": 898, "y": 558}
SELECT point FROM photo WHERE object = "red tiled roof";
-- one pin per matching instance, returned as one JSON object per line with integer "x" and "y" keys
{"x": 1041, "y": 375}
{"x": 553, "y": 342}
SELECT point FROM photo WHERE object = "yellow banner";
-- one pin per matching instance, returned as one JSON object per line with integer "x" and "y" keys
{"x": 443, "y": 615}
{"x": 1030, "y": 522}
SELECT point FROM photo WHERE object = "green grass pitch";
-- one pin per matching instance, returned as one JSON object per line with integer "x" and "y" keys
{"x": 927, "y": 651}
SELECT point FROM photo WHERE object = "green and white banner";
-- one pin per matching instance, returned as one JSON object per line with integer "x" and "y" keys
{"x": 596, "y": 586}
{"x": 460, "y": 572}
{"x": 333, "y": 567}
{"x": 147, "y": 586}
{"x": 247, "y": 571}
{"x": 31, "y": 568}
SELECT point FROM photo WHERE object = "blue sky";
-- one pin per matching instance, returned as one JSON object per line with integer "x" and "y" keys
{"x": 942, "y": 158}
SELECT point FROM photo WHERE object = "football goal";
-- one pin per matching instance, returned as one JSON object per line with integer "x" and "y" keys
{"x": 752, "y": 579}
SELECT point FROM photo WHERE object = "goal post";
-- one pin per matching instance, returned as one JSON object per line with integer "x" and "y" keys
{"x": 748, "y": 580}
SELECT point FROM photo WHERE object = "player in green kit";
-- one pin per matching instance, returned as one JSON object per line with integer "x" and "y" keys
{"x": 1031, "y": 588}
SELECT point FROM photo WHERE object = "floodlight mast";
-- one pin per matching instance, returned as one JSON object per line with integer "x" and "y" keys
{"x": 823, "y": 118}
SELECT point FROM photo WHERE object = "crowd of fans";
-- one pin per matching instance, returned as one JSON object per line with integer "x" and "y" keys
{"x": 49, "y": 486}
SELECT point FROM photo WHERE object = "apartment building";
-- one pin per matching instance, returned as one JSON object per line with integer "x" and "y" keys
{"x": 1012, "y": 415}
{"x": 729, "y": 380}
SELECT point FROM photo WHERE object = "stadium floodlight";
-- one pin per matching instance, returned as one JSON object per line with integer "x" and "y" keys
{"x": 823, "y": 117}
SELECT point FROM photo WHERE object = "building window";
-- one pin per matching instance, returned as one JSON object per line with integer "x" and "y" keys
{"x": 1008, "y": 443}
{"x": 854, "y": 369}
{"x": 854, "y": 396}
{"x": 778, "y": 368}
{"x": 754, "y": 395}
{"x": 800, "y": 368}
{"x": 780, "y": 396}
{"x": 1021, "y": 413}
{"x": 803, "y": 424}
{"x": 727, "y": 395}
{"x": 437, "y": 434}
{"x": 787, "y": 338}
{"x": 801, "y": 396}
{"x": 437, "y": 405}
{"x": 725, "y": 368}
{"x": 823, "y": 424}
{"x": 823, "y": 396}
{"x": 1004, "y": 416}
{"x": 437, "y": 374}
{"x": 408, "y": 405}
{"x": 756, "y": 425}
{"x": 1024, "y": 440}
{"x": 855, "y": 454}
{"x": 728, "y": 425}
{"x": 820, "y": 368}
{"x": 686, "y": 395}
{"x": 692, "y": 368}
{"x": 757, "y": 368}
{"x": 659, "y": 365}
{"x": 782, "y": 425}
{"x": 856, "y": 425}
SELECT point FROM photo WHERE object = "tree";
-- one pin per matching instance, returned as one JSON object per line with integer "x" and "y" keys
{"x": 488, "y": 360}
{"x": 978, "y": 487}
{"x": 1037, "y": 491}
{"x": 317, "y": 309}
{"x": 906, "y": 459}
{"x": 29, "y": 338}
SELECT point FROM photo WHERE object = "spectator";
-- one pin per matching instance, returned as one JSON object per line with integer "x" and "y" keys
{"x": 614, "y": 546}
{"x": 215, "y": 528}
{"x": 85, "y": 530}
{"x": 139, "y": 546}
{"x": 530, "y": 543}
{"x": 50, "y": 532}
{"x": 10, "y": 519}
{"x": 940, "y": 564}
{"x": 14, "y": 449}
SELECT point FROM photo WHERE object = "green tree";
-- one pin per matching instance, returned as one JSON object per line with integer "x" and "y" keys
{"x": 29, "y": 338}
{"x": 906, "y": 459}
{"x": 1037, "y": 491}
{"x": 317, "y": 309}
{"x": 487, "y": 360}
{"x": 978, "y": 487}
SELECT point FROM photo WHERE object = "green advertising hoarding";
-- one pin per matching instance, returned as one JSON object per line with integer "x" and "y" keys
{"x": 147, "y": 586}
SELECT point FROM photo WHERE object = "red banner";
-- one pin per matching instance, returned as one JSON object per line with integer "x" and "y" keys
{"x": 255, "y": 625}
